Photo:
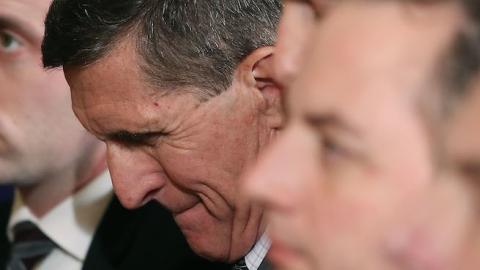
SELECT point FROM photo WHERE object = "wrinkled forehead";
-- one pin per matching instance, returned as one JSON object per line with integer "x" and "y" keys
{"x": 368, "y": 47}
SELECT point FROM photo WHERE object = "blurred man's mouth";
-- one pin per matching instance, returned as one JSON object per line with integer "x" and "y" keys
{"x": 283, "y": 256}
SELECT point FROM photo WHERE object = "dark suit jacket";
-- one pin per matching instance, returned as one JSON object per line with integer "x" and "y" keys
{"x": 146, "y": 238}
{"x": 265, "y": 265}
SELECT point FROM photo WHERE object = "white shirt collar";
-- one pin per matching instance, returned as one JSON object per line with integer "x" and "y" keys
{"x": 72, "y": 223}
{"x": 255, "y": 257}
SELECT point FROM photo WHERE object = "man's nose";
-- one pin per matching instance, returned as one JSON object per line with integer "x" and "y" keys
{"x": 136, "y": 175}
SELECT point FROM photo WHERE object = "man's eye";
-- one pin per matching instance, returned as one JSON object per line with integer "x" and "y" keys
{"x": 8, "y": 42}
{"x": 137, "y": 139}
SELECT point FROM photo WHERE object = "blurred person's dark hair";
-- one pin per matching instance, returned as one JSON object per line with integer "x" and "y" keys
{"x": 181, "y": 43}
{"x": 462, "y": 63}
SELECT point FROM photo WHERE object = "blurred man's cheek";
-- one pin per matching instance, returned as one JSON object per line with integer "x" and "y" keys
{"x": 432, "y": 231}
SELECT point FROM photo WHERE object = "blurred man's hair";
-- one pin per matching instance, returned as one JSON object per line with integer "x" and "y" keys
{"x": 195, "y": 43}
{"x": 462, "y": 63}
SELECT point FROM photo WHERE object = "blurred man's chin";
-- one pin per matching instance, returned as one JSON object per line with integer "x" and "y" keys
{"x": 10, "y": 175}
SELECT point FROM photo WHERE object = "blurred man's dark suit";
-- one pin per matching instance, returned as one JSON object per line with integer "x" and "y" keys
{"x": 146, "y": 238}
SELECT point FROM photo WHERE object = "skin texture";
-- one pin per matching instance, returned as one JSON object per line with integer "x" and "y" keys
{"x": 357, "y": 149}
{"x": 43, "y": 148}
{"x": 167, "y": 145}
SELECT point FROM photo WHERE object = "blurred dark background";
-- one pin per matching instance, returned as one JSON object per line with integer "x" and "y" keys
{"x": 6, "y": 192}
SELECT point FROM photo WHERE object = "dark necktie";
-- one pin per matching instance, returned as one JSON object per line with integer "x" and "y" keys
{"x": 240, "y": 265}
{"x": 29, "y": 246}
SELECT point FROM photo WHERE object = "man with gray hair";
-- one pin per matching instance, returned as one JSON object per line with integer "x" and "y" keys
{"x": 64, "y": 214}
{"x": 182, "y": 95}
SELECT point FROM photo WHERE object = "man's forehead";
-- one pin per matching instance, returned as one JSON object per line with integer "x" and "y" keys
{"x": 114, "y": 75}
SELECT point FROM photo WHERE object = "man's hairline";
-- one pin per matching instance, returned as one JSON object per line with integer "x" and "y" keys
{"x": 129, "y": 35}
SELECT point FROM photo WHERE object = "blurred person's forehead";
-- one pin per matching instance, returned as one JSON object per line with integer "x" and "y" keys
{"x": 379, "y": 39}
{"x": 24, "y": 16}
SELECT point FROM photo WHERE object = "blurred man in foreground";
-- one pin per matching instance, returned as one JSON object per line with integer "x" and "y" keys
{"x": 64, "y": 215}
{"x": 368, "y": 84}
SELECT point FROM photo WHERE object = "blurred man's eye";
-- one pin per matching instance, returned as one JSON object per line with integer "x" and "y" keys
{"x": 471, "y": 171}
{"x": 8, "y": 42}
{"x": 337, "y": 150}
{"x": 333, "y": 150}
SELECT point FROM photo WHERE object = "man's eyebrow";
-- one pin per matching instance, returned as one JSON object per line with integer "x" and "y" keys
{"x": 9, "y": 22}
{"x": 331, "y": 120}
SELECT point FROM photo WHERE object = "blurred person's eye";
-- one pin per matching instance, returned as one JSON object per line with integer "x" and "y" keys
{"x": 333, "y": 150}
{"x": 8, "y": 42}
{"x": 338, "y": 147}
{"x": 470, "y": 170}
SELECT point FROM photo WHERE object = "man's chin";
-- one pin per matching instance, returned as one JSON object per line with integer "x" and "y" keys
{"x": 214, "y": 248}
{"x": 206, "y": 249}
{"x": 212, "y": 238}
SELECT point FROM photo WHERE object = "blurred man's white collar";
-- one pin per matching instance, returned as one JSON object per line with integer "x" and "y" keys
{"x": 72, "y": 223}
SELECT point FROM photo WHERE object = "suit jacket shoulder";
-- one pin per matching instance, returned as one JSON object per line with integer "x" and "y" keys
{"x": 5, "y": 209}
{"x": 146, "y": 238}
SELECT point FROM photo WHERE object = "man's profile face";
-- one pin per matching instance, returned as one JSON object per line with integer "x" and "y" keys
{"x": 357, "y": 146}
{"x": 39, "y": 134}
{"x": 168, "y": 146}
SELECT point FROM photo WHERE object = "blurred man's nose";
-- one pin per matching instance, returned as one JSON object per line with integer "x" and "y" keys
{"x": 136, "y": 175}
{"x": 294, "y": 34}
{"x": 270, "y": 181}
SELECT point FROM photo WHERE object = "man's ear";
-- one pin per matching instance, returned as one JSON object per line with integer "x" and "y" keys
{"x": 256, "y": 72}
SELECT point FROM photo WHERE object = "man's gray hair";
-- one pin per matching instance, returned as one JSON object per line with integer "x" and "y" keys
{"x": 182, "y": 43}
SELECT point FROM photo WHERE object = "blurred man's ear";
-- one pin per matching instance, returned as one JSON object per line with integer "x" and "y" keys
{"x": 256, "y": 71}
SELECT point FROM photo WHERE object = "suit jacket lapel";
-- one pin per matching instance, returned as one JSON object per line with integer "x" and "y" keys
{"x": 265, "y": 265}
{"x": 112, "y": 239}
{"x": 145, "y": 238}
